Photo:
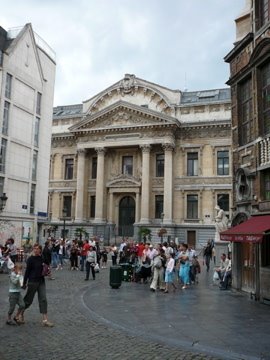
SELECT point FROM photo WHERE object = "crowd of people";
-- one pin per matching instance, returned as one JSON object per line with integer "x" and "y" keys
{"x": 163, "y": 266}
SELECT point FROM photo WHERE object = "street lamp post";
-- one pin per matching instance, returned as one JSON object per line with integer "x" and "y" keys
{"x": 64, "y": 219}
{"x": 3, "y": 200}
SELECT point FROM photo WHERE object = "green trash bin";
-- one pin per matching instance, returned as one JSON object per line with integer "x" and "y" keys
{"x": 115, "y": 276}
{"x": 127, "y": 272}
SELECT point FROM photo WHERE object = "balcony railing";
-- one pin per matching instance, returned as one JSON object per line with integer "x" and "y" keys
{"x": 13, "y": 33}
{"x": 264, "y": 157}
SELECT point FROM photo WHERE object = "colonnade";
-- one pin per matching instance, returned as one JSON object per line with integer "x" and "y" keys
{"x": 142, "y": 214}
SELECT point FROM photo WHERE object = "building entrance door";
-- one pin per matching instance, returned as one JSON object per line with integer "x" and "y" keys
{"x": 248, "y": 267}
{"x": 126, "y": 216}
{"x": 191, "y": 238}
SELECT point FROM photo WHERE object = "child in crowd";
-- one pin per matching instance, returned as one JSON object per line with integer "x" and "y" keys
{"x": 169, "y": 273}
{"x": 15, "y": 296}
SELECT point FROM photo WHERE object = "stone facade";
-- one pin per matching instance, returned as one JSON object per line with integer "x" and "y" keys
{"x": 27, "y": 73}
{"x": 249, "y": 80}
{"x": 142, "y": 155}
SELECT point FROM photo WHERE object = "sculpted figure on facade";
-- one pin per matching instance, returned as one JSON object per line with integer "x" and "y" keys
{"x": 221, "y": 222}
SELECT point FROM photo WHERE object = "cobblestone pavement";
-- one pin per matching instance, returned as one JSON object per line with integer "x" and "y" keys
{"x": 82, "y": 333}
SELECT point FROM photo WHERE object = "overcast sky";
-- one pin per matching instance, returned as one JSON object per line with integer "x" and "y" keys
{"x": 179, "y": 44}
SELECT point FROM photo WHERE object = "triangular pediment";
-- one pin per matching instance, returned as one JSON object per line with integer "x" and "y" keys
{"x": 123, "y": 115}
{"x": 123, "y": 181}
{"x": 24, "y": 47}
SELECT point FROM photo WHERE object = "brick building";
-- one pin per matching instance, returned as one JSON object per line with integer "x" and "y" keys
{"x": 250, "y": 88}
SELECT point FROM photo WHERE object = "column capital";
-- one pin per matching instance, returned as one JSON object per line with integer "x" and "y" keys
{"x": 145, "y": 148}
{"x": 168, "y": 147}
{"x": 100, "y": 150}
{"x": 81, "y": 151}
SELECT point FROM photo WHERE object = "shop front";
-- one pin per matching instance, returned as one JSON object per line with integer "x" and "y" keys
{"x": 251, "y": 256}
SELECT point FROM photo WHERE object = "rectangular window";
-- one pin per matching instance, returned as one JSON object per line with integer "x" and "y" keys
{"x": 94, "y": 167}
{"x": 5, "y": 118}
{"x": 92, "y": 206}
{"x": 8, "y": 86}
{"x": 223, "y": 202}
{"x": 69, "y": 164}
{"x": 263, "y": 8}
{"x": 245, "y": 128}
{"x": 192, "y": 164}
{"x": 160, "y": 165}
{"x": 1, "y": 185}
{"x": 192, "y": 206}
{"x": 34, "y": 166}
{"x": 67, "y": 203}
{"x": 158, "y": 206}
{"x": 127, "y": 165}
{"x": 266, "y": 184}
{"x": 265, "y": 98}
{"x": 36, "y": 132}
{"x": 3, "y": 155}
{"x": 32, "y": 198}
{"x": 38, "y": 106}
{"x": 223, "y": 162}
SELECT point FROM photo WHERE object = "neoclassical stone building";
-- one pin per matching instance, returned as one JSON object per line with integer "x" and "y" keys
{"x": 141, "y": 155}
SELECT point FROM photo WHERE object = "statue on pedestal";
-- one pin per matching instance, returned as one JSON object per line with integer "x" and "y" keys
{"x": 221, "y": 222}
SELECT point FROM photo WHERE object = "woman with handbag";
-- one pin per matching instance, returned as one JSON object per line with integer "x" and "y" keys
{"x": 34, "y": 281}
{"x": 91, "y": 261}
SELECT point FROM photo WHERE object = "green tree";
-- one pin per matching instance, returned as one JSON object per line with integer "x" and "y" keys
{"x": 144, "y": 232}
{"x": 80, "y": 232}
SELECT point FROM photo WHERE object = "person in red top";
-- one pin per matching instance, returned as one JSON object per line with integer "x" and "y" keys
{"x": 140, "y": 252}
{"x": 84, "y": 251}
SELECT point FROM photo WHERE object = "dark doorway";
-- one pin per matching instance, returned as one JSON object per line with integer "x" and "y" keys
{"x": 126, "y": 216}
{"x": 191, "y": 238}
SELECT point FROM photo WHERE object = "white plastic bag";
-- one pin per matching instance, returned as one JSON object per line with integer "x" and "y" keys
{"x": 215, "y": 276}
{"x": 10, "y": 264}
{"x": 96, "y": 268}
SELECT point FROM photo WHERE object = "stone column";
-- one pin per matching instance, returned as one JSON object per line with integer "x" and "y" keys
{"x": 99, "y": 216}
{"x": 80, "y": 185}
{"x": 168, "y": 184}
{"x": 110, "y": 217}
{"x": 137, "y": 214}
{"x": 145, "y": 184}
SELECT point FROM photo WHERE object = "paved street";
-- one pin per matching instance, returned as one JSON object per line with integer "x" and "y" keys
{"x": 93, "y": 321}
